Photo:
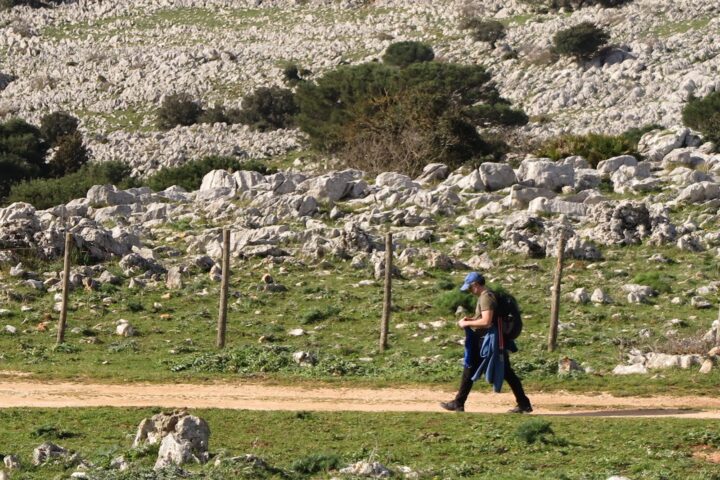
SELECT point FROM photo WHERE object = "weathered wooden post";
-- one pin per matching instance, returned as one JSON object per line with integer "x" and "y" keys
{"x": 65, "y": 288}
{"x": 387, "y": 301}
{"x": 222, "y": 317}
{"x": 555, "y": 305}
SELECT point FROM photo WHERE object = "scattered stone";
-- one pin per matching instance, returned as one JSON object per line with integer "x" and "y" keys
{"x": 567, "y": 365}
{"x": 174, "y": 279}
{"x": 296, "y": 332}
{"x": 707, "y": 366}
{"x": 10, "y": 330}
{"x": 124, "y": 329}
{"x": 304, "y": 359}
{"x": 12, "y": 462}
{"x": 182, "y": 437}
{"x": 48, "y": 451}
{"x": 367, "y": 469}
{"x": 600, "y": 297}
{"x": 700, "y": 302}
{"x": 636, "y": 368}
{"x": 579, "y": 295}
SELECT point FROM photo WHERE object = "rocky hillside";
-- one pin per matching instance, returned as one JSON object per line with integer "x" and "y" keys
{"x": 111, "y": 63}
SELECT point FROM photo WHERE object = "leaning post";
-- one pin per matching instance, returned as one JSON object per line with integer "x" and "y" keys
{"x": 222, "y": 317}
{"x": 387, "y": 300}
{"x": 65, "y": 288}
{"x": 555, "y": 305}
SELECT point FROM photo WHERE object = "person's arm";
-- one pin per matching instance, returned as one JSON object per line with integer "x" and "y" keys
{"x": 484, "y": 320}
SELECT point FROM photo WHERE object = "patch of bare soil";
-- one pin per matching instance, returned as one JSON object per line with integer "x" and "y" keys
{"x": 706, "y": 453}
{"x": 257, "y": 396}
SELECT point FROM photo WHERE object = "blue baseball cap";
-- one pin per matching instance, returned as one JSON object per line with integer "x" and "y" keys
{"x": 471, "y": 278}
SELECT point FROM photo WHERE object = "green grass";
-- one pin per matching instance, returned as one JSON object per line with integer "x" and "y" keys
{"x": 176, "y": 340}
{"x": 436, "y": 445}
{"x": 674, "y": 28}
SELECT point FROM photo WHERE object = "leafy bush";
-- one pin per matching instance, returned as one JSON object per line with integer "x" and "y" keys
{"x": 489, "y": 31}
{"x": 581, "y": 41}
{"x": 378, "y": 117}
{"x": 46, "y": 193}
{"x": 267, "y": 108}
{"x": 56, "y": 125}
{"x": 553, "y": 5}
{"x": 402, "y": 54}
{"x": 450, "y": 301}
{"x": 22, "y": 153}
{"x": 316, "y": 462}
{"x": 703, "y": 114}
{"x": 534, "y": 430}
{"x": 178, "y": 109}
{"x": 213, "y": 115}
{"x": 593, "y": 147}
{"x": 70, "y": 155}
{"x": 655, "y": 280}
{"x": 189, "y": 176}
{"x": 634, "y": 135}
{"x": 293, "y": 74}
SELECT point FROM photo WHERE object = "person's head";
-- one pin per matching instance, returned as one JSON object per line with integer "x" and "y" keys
{"x": 474, "y": 283}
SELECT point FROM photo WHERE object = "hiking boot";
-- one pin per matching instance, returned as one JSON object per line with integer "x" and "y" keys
{"x": 521, "y": 409}
{"x": 453, "y": 406}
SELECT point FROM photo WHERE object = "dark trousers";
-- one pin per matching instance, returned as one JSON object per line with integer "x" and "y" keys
{"x": 466, "y": 383}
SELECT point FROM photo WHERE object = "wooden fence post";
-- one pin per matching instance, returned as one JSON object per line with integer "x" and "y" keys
{"x": 387, "y": 301}
{"x": 555, "y": 305}
{"x": 222, "y": 317}
{"x": 65, "y": 288}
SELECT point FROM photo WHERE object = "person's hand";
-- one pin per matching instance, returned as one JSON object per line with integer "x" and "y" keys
{"x": 461, "y": 322}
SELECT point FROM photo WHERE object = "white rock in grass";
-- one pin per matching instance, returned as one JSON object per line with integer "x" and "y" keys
{"x": 48, "y": 451}
{"x": 12, "y": 462}
{"x": 600, "y": 297}
{"x": 630, "y": 369}
{"x": 296, "y": 332}
{"x": 707, "y": 366}
{"x": 367, "y": 469}
{"x": 124, "y": 329}
{"x": 4, "y": 312}
{"x": 9, "y": 329}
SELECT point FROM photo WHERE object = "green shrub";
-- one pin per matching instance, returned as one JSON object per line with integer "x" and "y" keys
{"x": 293, "y": 74}
{"x": 703, "y": 114}
{"x": 634, "y": 135}
{"x": 378, "y": 117}
{"x": 545, "y": 6}
{"x": 402, "y": 54}
{"x": 46, "y": 193}
{"x": 22, "y": 153}
{"x": 213, "y": 115}
{"x": 189, "y": 176}
{"x": 449, "y": 301}
{"x": 593, "y": 147}
{"x": 267, "y": 108}
{"x": 489, "y": 31}
{"x": 533, "y": 430}
{"x": 581, "y": 41}
{"x": 56, "y": 125}
{"x": 316, "y": 462}
{"x": 178, "y": 109}
{"x": 70, "y": 155}
{"x": 319, "y": 314}
{"x": 657, "y": 281}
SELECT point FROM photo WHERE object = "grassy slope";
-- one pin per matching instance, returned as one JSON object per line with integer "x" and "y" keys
{"x": 437, "y": 445}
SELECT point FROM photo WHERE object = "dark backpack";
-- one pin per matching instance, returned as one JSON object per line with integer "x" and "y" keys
{"x": 508, "y": 314}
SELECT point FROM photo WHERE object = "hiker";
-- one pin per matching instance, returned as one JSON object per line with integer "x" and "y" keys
{"x": 486, "y": 351}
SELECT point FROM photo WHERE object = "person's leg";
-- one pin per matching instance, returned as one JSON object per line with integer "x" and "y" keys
{"x": 466, "y": 383}
{"x": 516, "y": 386}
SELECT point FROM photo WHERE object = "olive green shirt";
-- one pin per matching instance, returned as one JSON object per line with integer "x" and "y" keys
{"x": 485, "y": 302}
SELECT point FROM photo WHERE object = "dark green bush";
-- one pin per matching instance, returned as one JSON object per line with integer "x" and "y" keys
{"x": 545, "y": 6}
{"x": 402, "y": 54}
{"x": 489, "y": 31}
{"x": 634, "y": 135}
{"x": 70, "y": 155}
{"x": 593, "y": 147}
{"x": 178, "y": 109}
{"x": 378, "y": 117}
{"x": 46, "y": 193}
{"x": 657, "y": 281}
{"x": 533, "y": 430}
{"x": 316, "y": 462}
{"x": 703, "y": 114}
{"x": 189, "y": 176}
{"x": 581, "y": 41}
{"x": 56, "y": 125}
{"x": 267, "y": 108}
{"x": 22, "y": 153}
{"x": 293, "y": 74}
{"x": 449, "y": 301}
{"x": 213, "y": 115}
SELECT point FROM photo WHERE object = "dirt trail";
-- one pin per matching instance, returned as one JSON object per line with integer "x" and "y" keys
{"x": 254, "y": 396}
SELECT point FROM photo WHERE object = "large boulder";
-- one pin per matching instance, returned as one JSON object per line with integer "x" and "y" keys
{"x": 656, "y": 144}
{"x": 544, "y": 173}
{"x": 395, "y": 180}
{"x": 433, "y": 172}
{"x": 218, "y": 179}
{"x": 496, "y": 176}
{"x": 109, "y": 195}
{"x": 611, "y": 165}
{"x": 683, "y": 157}
{"x": 699, "y": 192}
{"x": 555, "y": 206}
{"x": 332, "y": 186}
{"x": 48, "y": 451}
{"x": 247, "y": 180}
{"x": 183, "y": 438}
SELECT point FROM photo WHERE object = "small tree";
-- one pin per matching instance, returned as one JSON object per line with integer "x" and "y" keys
{"x": 70, "y": 155}
{"x": 56, "y": 125}
{"x": 22, "y": 153}
{"x": 582, "y": 41}
{"x": 267, "y": 108}
{"x": 178, "y": 109}
{"x": 402, "y": 54}
{"x": 703, "y": 114}
{"x": 489, "y": 31}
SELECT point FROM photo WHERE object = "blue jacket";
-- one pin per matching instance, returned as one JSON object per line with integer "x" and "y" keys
{"x": 492, "y": 357}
